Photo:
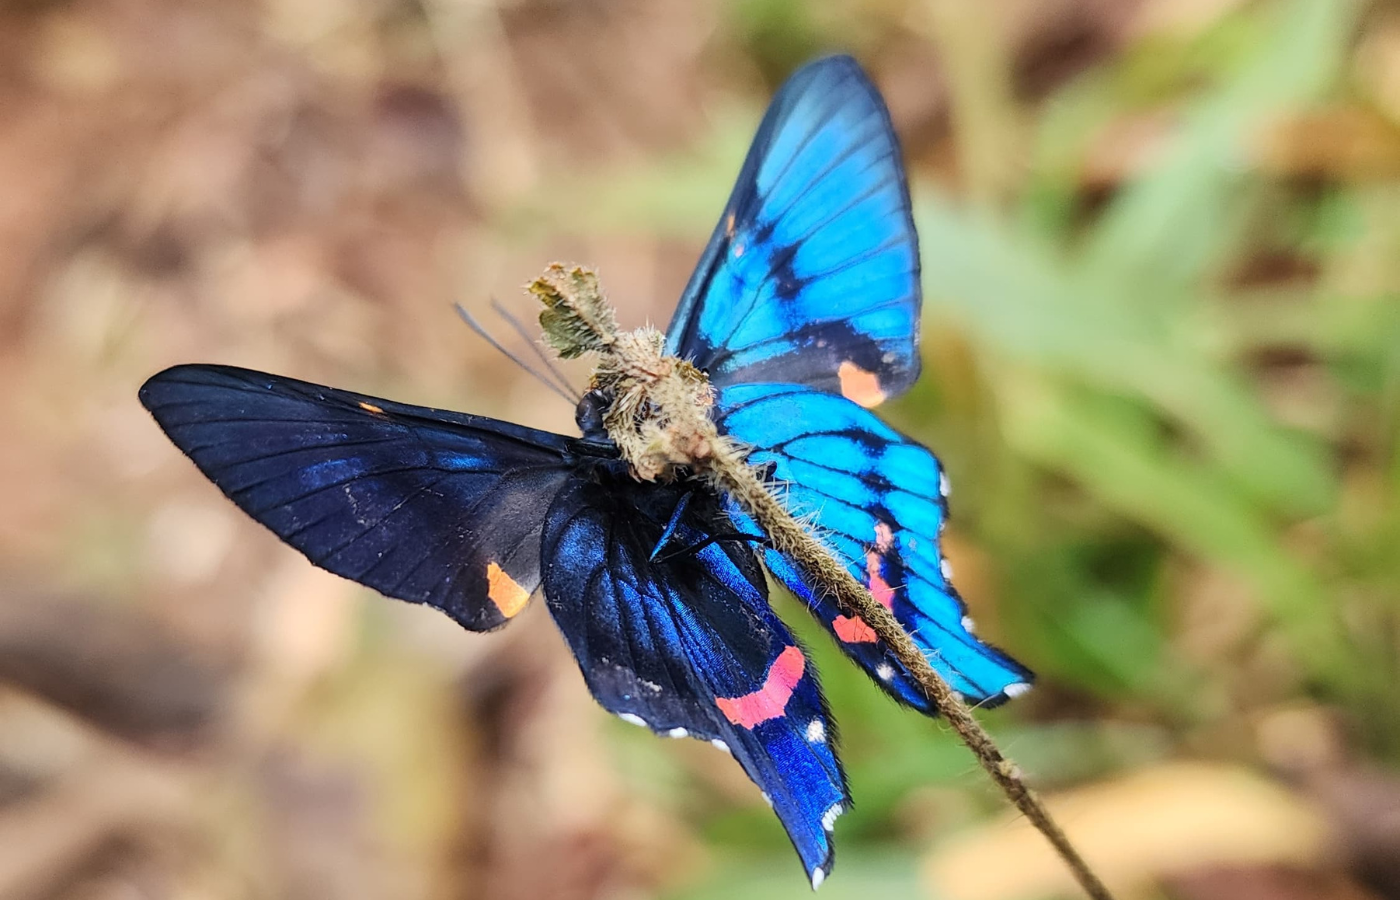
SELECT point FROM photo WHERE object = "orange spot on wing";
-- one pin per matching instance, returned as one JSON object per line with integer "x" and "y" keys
{"x": 769, "y": 701}
{"x": 509, "y": 597}
{"x": 853, "y": 630}
{"x": 875, "y": 580}
{"x": 858, "y": 385}
{"x": 884, "y": 537}
{"x": 729, "y": 225}
{"x": 371, "y": 408}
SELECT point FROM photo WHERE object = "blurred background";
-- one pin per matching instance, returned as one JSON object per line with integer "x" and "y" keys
{"x": 1161, "y": 247}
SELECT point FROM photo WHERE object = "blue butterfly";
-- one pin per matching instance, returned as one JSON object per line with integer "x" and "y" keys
{"x": 804, "y": 310}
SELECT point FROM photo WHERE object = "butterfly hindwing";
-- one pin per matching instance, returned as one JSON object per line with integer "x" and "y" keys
{"x": 876, "y": 500}
{"x": 812, "y": 274}
{"x": 686, "y": 643}
{"x": 427, "y": 506}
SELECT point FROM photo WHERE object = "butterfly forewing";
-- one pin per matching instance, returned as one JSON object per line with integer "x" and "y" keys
{"x": 423, "y": 505}
{"x": 812, "y": 274}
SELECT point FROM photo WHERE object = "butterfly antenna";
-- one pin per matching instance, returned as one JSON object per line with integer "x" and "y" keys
{"x": 519, "y": 328}
{"x": 564, "y": 391}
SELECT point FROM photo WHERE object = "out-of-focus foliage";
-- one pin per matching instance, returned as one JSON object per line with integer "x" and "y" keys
{"x": 1161, "y": 248}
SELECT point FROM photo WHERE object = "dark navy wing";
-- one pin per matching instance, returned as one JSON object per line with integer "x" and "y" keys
{"x": 686, "y": 644}
{"x": 877, "y": 501}
{"x": 423, "y": 505}
{"x": 812, "y": 274}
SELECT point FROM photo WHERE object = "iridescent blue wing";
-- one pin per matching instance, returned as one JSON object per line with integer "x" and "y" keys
{"x": 812, "y": 279}
{"x": 877, "y": 500}
{"x": 427, "y": 506}
{"x": 686, "y": 644}
{"x": 812, "y": 275}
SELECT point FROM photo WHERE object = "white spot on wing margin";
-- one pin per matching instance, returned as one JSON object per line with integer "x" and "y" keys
{"x": 828, "y": 822}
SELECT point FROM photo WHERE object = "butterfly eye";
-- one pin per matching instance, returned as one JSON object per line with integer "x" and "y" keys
{"x": 589, "y": 415}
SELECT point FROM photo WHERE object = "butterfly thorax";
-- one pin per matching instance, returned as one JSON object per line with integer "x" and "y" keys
{"x": 655, "y": 408}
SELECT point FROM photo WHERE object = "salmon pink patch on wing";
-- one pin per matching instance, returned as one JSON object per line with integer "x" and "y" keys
{"x": 769, "y": 701}
{"x": 860, "y": 385}
{"x": 875, "y": 580}
{"x": 853, "y": 630}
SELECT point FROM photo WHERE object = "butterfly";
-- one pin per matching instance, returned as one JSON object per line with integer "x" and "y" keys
{"x": 803, "y": 311}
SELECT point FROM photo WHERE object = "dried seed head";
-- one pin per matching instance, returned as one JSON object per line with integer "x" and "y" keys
{"x": 660, "y": 412}
{"x": 576, "y": 318}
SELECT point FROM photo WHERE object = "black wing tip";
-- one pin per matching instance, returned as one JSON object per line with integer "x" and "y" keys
{"x": 902, "y": 380}
{"x": 172, "y": 373}
{"x": 169, "y": 384}
{"x": 189, "y": 374}
{"x": 169, "y": 373}
{"x": 151, "y": 389}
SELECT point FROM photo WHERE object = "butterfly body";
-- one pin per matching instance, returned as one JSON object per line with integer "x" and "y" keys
{"x": 803, "y": 310}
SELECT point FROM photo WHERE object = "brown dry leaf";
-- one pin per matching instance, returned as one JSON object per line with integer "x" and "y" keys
{"x": 1172, "y": 819}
